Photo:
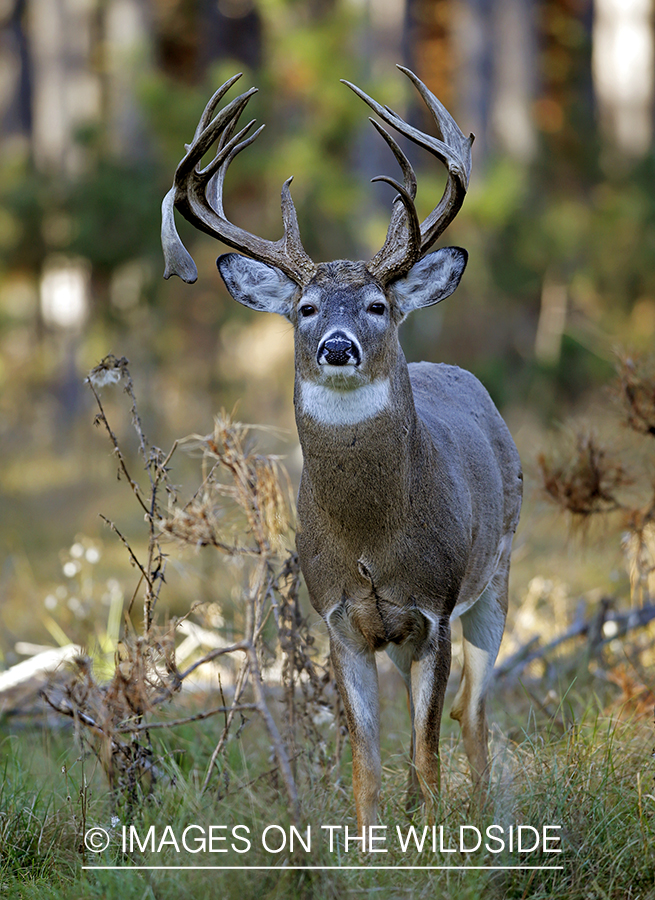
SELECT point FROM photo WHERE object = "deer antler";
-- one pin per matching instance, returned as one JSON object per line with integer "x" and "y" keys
{"x": 407, "y": 240}
{"x": 198, "y": 194}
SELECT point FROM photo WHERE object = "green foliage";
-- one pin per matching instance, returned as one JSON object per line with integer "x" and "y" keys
{"x": 115, "y": 211}
{"x": 572, "y": 216}
{"x": 30, "y": 839}
{"x": 595, "y": 235}
{"x": 24, "y": 198}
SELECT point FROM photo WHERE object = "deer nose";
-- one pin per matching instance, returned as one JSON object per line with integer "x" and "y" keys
{"x": 338, "y": 350}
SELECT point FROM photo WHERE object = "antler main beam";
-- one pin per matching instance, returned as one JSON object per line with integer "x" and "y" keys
{"x": 198, "y": 194}
{"x": 406, "y": 240}
{"x": 197, "y": 191}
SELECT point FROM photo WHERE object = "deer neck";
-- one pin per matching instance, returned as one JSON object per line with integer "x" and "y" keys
{"x": 360, "y": 448}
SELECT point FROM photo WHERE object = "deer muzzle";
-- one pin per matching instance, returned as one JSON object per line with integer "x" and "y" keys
{"x": 338, "y": 350}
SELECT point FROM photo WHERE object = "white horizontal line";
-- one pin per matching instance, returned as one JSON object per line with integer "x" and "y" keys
{"x": 304, "y": 868}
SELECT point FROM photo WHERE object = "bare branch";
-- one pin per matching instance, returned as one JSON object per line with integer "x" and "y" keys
{"x": 125, "y": 542}
{"x": 623, "y": 623}
{"x": 101, "y": 417}
{"x": 174, "y": 723}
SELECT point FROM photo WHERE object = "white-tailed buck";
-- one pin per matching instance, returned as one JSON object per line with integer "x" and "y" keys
{"x": 411, "y": 485}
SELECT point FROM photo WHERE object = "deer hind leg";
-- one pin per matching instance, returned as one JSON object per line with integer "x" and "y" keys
{"x": 483, "y": 627}
{"x": 356, "y": 676}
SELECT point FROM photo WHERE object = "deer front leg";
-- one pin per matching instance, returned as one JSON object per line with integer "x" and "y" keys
{"x": 401, "y": 656}
{"x": 357, "y": 680}
{"x": 429, "y": 676}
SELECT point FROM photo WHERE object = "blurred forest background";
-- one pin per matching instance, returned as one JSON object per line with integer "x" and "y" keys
{"x": 97, "y": 98}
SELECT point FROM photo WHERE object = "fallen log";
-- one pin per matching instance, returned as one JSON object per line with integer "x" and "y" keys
{"x": 601, "y": 628}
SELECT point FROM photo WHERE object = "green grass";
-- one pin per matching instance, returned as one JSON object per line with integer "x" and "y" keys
{"x": 591, "y": 775}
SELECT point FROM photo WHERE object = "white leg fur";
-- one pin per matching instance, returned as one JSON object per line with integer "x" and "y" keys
{"x": 356, "y": 675}
{"x": 429, "y": 679}
{"x": 401, "y": 657}
{"x": 482, "y": 627}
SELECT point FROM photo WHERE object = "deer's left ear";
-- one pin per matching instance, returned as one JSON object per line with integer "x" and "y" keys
{"x": 432, "y": 279}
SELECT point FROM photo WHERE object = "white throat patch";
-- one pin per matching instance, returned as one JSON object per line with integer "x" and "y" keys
{"x": 333, "y": 407}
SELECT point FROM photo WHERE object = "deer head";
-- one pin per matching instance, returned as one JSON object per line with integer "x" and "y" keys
{"x": 279, "y": 276}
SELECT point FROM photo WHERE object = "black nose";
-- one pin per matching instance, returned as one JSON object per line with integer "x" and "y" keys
{"x": 338, "y": 350}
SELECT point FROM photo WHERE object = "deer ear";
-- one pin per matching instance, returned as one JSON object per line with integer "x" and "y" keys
{"x": 430, "y": 280}
{"x": 256, "y": 284}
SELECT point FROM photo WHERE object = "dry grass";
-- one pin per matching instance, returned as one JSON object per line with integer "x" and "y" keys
{"x": 241, "y": 509}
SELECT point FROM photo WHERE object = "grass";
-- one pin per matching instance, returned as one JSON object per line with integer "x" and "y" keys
{"x": 593, "y": 778}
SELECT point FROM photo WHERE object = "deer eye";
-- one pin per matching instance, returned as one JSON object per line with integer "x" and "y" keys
{"x": 378, "y": 309}
{"x": 307, "y": 310}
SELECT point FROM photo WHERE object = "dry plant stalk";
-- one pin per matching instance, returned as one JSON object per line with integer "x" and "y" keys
{"x": 103, "y": 713}
{"x": 588, "y": 481}
{"x": 253, "y": 485}
{"x": 240, "y": 509}
{"x": 112, "y": 370}
{"x": 637, "y": 698}
{"x": 585, "y": 482}
{"x": 639, "y": 548}
{"x": 636, "y": 387}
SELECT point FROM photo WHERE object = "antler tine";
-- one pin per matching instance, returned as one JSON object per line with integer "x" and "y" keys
{"x": 227, "y": 152}
{"x": 452, "y": 148}
{"x": 402, "y": 246}
{"x": 409, "y": 175}
{"x": 448, "y": 130}
{"x": 215, "y": 99}
{"x": 197, "y": 193}
{"x": 219, "y": 166}
{"x": 403, "y": 240}
{"x": 203, "y": 139}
